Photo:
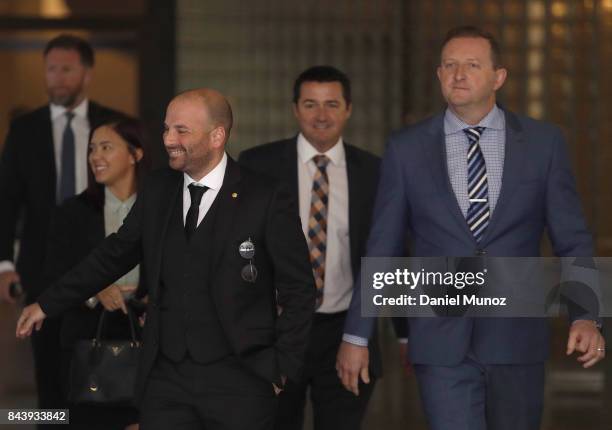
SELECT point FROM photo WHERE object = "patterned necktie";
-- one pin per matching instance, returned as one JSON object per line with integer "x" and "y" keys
{"x": 67, "y": 186}
{"x": 478, "y": 189}
{"x": 191, "y": 221}
{"x": 317, "y": 223}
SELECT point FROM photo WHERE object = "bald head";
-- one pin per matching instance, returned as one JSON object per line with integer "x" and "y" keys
{"x": 216, "y": 105}
{"x": 196, "y": 130}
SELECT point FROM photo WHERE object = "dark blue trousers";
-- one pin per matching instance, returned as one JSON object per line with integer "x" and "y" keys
{"x": 476, "y": 396}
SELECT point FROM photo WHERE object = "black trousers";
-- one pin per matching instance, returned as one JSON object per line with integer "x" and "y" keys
{"x": 334, "y": 408}
{"x": 224, "y": 395}
{"x": 47, "y": 362}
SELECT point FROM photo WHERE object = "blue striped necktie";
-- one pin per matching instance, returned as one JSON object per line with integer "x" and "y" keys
{"x": 478, "y": 213}
{"x": 67, "y": 186}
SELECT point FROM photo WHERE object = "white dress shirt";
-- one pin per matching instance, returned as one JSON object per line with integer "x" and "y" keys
{"x": 80, "y": 128}
{"x": 338, "y": 283}
{"x": 115, "y": 212}
{"x": 213, "y": 181}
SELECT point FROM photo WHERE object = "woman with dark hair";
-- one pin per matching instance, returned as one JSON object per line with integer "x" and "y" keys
{"x": 117, "y": 162}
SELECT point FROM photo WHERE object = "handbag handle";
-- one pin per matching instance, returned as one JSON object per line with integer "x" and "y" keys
{"x": 98, "y": 337}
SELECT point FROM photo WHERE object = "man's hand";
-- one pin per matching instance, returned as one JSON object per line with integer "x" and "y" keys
{"x": 112, "y": 298}
{"x": 352, "y": 362}
{"x": 6, "y": 279}
{"x": 584, "y": 337}
{"x": 31, "y": 316}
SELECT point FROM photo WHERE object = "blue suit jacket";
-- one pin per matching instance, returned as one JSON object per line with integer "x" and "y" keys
{"x": 415, "y": 197}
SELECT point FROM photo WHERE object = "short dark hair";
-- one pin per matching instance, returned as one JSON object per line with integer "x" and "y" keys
{"x": 323, "y": 74}
{"x": 473, "y": 31}
{"x": 133, "y": 132}
{"x": 70, "y": 41}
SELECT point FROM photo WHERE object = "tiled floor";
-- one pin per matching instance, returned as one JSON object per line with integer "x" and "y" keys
{"x": 575, "y": 399}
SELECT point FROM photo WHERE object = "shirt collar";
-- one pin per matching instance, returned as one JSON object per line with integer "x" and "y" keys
{"x": 213, "y": 180}
{"x": 306, "y": 151}
{"x": 80, "y": 110}
{"x": 113, "y": 203}
{"x": 494, "y": 120}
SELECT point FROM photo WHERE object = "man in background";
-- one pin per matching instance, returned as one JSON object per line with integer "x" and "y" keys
{"x": 44, "y": 161}
{"x": 334, "y": 183}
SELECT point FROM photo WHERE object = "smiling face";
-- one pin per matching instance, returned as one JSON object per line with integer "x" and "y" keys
{"x": 189, "y": 137}
{"x": 66, "y": 77}
{"x": 322, "y": 113}
{"x": 110, "y": 159}
{"x": 468, "y": 78}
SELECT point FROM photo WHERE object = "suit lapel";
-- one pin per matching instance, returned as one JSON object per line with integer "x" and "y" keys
{"x": 97, "y": 232}
{"x": 435, "y": 148}
{"x": 44, "y": 135}
{"x": 168, "y": 196}
{"x": 289, "y": 165}
{"x": 95, "y": 114}
{"x": 90, "y": 222}
{"x": 514, "y": 155}
{"x": 356, "y": 202}
{"x": 227, "y": 200}
{"x": 92, "y": 113}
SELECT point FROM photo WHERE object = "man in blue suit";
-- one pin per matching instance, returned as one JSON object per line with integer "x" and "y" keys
{"x": 475, "y": 180}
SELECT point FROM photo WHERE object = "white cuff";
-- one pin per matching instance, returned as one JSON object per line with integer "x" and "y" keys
{"x": 355, "y": 340}
{"x": 6, "y": 266}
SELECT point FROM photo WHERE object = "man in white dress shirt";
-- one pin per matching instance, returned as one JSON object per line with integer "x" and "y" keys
{"x": 43, "y": 162}
{"x": 334, "y": 184}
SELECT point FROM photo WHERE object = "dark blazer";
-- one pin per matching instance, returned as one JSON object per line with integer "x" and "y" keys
{"x": 279, "y": 159}
{"x": 28, "y": 182}
{"x": 415, "y": 196}
{"x": 249, "y": 206}
{"x": 75, "y": 229}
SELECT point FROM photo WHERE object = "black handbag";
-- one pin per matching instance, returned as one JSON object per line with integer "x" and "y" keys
{"x": 103, "y": 372}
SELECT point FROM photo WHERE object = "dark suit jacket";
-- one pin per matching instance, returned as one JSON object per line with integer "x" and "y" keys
{"x": 28, "y": 183}
{"x": 415, "y": 195}
{"x": 249, "y": 206}
{"x": 279, "y": 159}
{"x": 76, "y": 228}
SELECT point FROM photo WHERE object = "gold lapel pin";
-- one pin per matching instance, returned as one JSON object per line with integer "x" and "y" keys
{"x": 234, "y": 195}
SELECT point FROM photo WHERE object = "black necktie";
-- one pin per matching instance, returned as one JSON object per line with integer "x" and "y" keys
{"x": 191, "y": 222}
{"x": 67, "y": 187}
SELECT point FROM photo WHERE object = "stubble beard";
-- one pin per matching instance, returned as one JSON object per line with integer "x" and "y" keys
{"x": 67, "y": 100}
